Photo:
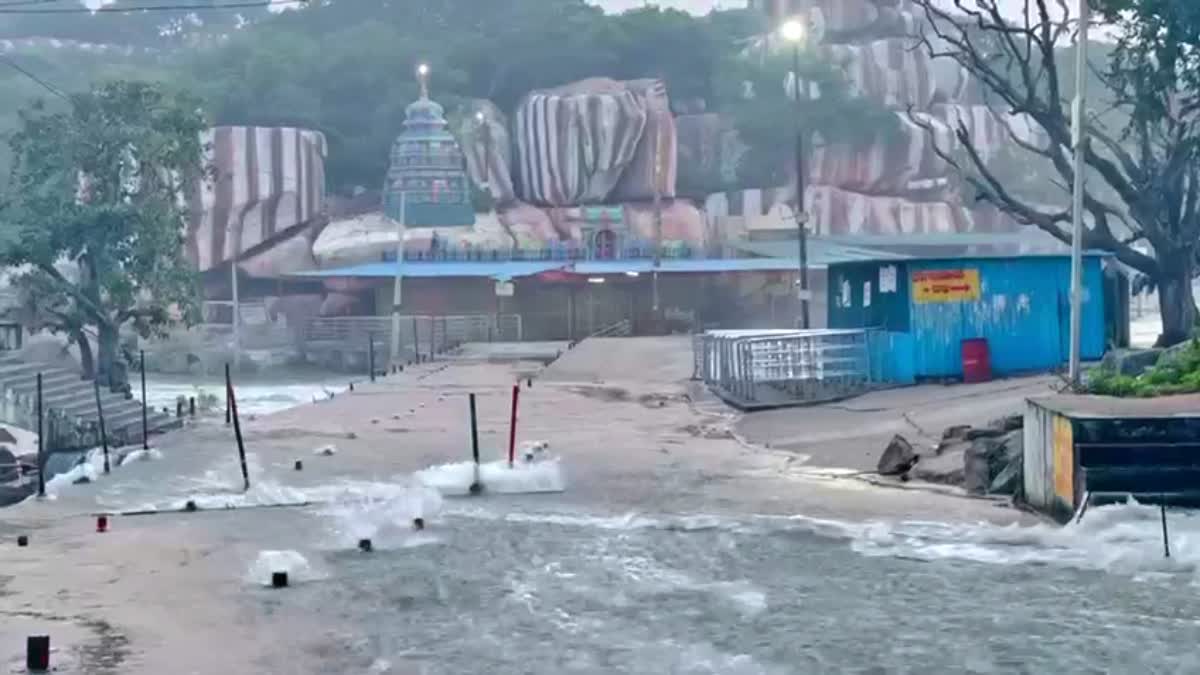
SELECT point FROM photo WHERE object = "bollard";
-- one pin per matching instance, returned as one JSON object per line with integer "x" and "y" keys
{"x": 37, "y": 653}
{"x": 145, "y": 402}
{"x": 299, "y": 465}
{"x": 178, "y": 408}
{"x": 237, "y": 427}
{"x": 22, "y": 541}
{"x": 529, "y": 383}
{"x": 101, "y": 524}
{"x": 190, "y": 506}
{"x": 351, "y": 386}
{"x": 41, "y": 456}
{"x": 418, "y": 524}
{"x": 103, "y": 431}
{"x": 365, "y": 545}
{"x": 476, "y": 486}
{"x": 192, "y": 406}
{"x": 279, "y": 579}
{"x": 512, "y": 425}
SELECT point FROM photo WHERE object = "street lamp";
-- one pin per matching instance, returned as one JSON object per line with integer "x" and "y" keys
{"x": 795, "y": 32}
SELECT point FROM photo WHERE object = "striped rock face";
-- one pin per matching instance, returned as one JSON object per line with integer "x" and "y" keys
{"x": 894, "y": 164}
{"x": 594, "y": 141}
{"x": 267, "y": 182}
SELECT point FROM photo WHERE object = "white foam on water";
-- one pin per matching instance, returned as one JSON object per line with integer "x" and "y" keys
{"x": 298, "y": 569}
{"x": 1119, "y": 538}
{"x": 90, "y": 469}
{"x": 496, "y": 477}
{"x": 141, "y": 456}
{"x": 383, "y": 516}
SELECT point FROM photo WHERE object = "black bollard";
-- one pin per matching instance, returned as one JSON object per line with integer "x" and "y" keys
{"x": 476, "y": 486}
{"x": 37, "y": 653}
{"x": 529, "y": 383}
{"x": 299, "y": 465}
{"x": 351, "y": 386}
{"x": 41, "y": 456}
{"x": 237, "y": 427}
{"x": 103, "y": 432}
{"x": 365, "y": 545}
{"x": 191, "y": 406}
{"x": 190, "y": 506}
{"x": 279, "y": 579}
{"x": 371, "y": 355}
{"x": 145, "y": 402}
{"x": 178, "y": 408}
{"x": 22, "y": 541}
{"x": 418, "y": 524}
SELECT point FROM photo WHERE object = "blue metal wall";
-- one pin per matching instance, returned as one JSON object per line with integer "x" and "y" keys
{"x": 1023, "y": 312}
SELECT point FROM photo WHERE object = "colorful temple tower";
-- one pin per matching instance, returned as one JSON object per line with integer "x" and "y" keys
{"x": 427, "y": 184}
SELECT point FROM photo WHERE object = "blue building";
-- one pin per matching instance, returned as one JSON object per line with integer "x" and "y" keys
{"x": 925, "y": 308}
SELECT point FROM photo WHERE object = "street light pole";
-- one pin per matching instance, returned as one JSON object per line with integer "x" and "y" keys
{"x": 1079, "y": 140}
{"x": 794, "y": 31}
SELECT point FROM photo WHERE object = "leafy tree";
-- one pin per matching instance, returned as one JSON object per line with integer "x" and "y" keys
{"x": 93, "y": 216}
{"x": 1143, "y": 180}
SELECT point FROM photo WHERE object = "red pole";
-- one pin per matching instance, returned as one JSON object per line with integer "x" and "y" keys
{"x": 512, "y": 426}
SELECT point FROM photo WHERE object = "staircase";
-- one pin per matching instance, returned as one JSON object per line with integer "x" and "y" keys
{"x": 69, "y": 407}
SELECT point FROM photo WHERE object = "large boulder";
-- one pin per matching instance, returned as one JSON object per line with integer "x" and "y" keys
{"x": 988, "y": 458}
{"x": 594, "y": 141}
{"x": 267, "y": 182}
{"x": 896, "y": 162}
{"x": 1131, "y": 362}
{"x": 371, "y": 238}
{"x": 945, "y": 468}
{"x": 487, "y": 147}
{"x": 898, "y": 458}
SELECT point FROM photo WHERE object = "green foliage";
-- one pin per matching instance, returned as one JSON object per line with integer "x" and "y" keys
{"x": 95, "y": 215}
{"x": 1177, "y": 374}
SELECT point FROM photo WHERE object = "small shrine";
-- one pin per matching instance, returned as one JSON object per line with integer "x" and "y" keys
{"x": 427, "y": 184}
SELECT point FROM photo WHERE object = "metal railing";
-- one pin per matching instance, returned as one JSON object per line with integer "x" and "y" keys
{"x": 622, "y": 328}
{"x": 419, "y": 334}
{"x": 764, "y": 368}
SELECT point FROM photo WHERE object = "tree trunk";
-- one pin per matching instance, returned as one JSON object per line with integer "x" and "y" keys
{"x": 86, "y": 362}
{"x": 1175, "y": 300}
{"x": 111, "y": 370}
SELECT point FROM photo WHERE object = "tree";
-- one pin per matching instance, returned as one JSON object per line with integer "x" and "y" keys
{"x": 1143, "y": 179}
{"x": 93, "y": 218}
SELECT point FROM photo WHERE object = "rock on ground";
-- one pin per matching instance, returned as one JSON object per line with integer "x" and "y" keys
{"x": 898, "y": 458}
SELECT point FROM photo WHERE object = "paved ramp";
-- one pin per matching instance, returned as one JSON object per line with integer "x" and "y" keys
{"x": 647, "y": 360}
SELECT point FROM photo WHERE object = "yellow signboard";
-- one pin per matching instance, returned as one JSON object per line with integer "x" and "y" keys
{"x": 945, "y": 286}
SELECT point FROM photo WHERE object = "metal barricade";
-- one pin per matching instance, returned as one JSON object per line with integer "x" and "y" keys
{"x": 765, "y": 368}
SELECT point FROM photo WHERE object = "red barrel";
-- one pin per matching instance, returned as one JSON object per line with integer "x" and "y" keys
{"x": 976, "y": 360}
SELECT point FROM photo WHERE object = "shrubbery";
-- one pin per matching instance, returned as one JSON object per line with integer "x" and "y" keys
{"x": 1177, "y": 372}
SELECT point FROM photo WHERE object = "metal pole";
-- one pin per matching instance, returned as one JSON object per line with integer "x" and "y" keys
{"x": 512, "y": 425}
{"x": 371, "y": 354}
{"x": 228, "y": 408}
{"x": 237, "y": 428}
{"x": 1166, "y": 541}
{"x": 145, "y": 403}
{"x": 41, "y": 441}
{"x": 103, "y": 432}
{"x": 801, "y": 225}
{"x": 237, "y": 321}
{"x": 658, "y": 216}
{"x": 476, "y": 486}
{"x": 397, "y": 290}
{"x": 1079, "y": 139}
{"x": 416, "y": 340}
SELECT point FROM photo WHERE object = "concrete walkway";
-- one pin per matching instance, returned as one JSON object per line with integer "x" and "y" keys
{"x": 853, "y": 433}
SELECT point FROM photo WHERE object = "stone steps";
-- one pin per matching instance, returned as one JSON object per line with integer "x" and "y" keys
{"x": 73, "y": 400}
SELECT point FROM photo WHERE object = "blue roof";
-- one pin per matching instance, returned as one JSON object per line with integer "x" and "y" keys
{"x": 511, "y": 269}
{"x": 502, "y": 269}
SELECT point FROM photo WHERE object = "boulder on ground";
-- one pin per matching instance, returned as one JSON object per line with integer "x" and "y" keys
{"x": 898, "y": 458}
{"x": 989, "y": 457}
{"x": 1130, "y": 362}
{"x": 944, "y": 469}
{"x": 1008, "y": 423}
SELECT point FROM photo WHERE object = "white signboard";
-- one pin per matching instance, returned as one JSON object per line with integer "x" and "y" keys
{"x": 504, "y": 289}
{"x": 887, "y": 279}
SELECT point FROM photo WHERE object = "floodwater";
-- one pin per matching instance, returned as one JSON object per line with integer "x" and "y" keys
{"x": 540, "y": 584}
{"x": 559, "y": 592}
{"x": 256, "y": 395}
